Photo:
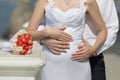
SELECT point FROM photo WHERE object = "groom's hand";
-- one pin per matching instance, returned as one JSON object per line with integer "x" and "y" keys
{"x": 84, "y": 52}
{"x": 57, "y": 47}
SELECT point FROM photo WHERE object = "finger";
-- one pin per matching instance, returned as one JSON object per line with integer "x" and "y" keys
{"x": 57, "y": 42}
{"x": 67, "y": 36}
{"x": 81, "y": 49}
{"x": 62, "y": 46}
{"x": 63, "y": 43}
{"x": 84, "y": 56}
{"x": 62, "y": 38}
{"x": 79, "y": 53}
{"x": 56, "y": 52}
{"x": 78, "y": 58}
{"x": 60, "y": 50}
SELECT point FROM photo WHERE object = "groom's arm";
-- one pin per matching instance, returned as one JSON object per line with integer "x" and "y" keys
{"x": 111, "y": 20}
{"x": 110, "y": 17}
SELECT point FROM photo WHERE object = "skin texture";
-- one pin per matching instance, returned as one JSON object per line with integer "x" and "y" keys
{"x": 85, "y": 51}
{"x": 55, "y": 33}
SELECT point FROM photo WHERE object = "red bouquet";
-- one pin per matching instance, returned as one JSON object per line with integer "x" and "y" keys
{"x": 22, "y": 43}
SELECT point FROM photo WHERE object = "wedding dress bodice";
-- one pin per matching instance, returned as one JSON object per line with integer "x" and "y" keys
{"x": 73, "y": 19}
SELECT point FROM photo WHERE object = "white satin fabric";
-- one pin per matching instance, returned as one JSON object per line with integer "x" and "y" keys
{"x": 61, "y": 67}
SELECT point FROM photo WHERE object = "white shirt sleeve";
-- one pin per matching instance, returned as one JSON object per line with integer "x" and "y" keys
{"x": 110, "y": 17}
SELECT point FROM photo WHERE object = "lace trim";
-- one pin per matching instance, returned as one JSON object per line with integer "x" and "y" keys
{"x": 50, "y": 3}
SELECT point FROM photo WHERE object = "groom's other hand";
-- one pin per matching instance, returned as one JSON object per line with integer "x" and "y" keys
{"x": 84, "y": 52}
{"x": 57, "y": 47}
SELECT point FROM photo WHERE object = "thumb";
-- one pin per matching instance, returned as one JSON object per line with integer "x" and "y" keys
{"x": 86, "y": 43}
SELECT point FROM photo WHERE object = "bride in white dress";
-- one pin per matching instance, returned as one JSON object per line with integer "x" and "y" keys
{"x": 70, "y": 14}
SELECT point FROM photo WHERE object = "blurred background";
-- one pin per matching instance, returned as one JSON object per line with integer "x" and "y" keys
{"x": 14, "y": 13}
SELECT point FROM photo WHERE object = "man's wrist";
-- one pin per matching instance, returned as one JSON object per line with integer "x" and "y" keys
{"x": 94, "y": 54}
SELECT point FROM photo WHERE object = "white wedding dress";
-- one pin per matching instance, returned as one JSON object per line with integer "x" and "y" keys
{"x": 61, "y": 67}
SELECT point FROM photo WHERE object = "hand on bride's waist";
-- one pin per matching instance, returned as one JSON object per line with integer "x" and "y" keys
{"x": 58, "y": 34}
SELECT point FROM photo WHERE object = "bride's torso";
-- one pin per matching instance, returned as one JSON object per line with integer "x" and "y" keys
{"x": 73, "y": 19}
{"x": 62, "y": 66}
